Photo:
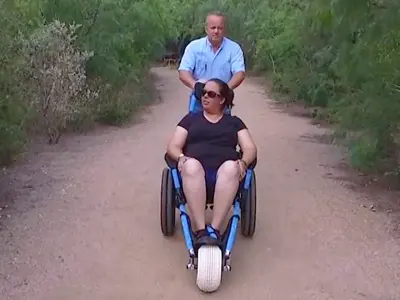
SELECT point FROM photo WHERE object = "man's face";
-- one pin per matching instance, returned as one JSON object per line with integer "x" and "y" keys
{"x": 215, "y": 29}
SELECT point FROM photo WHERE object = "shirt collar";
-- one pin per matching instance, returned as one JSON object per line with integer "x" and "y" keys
{"x": 208, "y": 44}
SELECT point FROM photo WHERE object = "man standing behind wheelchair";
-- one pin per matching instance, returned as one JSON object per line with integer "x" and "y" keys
{"x": 213, "y": 56}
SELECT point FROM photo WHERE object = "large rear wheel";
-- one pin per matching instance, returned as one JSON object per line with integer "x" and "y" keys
{"x": 249, "y": 209}
{"x": 167, "y": 204}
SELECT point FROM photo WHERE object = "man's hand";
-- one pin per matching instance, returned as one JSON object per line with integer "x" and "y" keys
{"x": 187, "y": 79}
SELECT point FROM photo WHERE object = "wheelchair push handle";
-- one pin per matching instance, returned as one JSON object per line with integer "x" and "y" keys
{"x": 198, "y": 89}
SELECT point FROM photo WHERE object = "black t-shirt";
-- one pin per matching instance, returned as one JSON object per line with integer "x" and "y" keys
{"x": 211, "y": 143}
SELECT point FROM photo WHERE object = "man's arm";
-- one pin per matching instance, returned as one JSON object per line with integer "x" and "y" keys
{"x": 187, "y": 79}
{"x": 187, "y": 66}
{"x": 236, "y": 80}
{"x": 237, "y": 68}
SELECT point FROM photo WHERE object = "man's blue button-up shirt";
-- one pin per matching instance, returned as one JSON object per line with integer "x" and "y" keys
{"x": 203, "y": 63}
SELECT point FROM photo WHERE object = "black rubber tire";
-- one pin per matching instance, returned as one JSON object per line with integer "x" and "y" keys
{"x": 249, "y": 209}
{"x": 167, "y": 204}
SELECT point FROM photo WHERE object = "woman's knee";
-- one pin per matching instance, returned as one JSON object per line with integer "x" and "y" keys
{"x": 193, "y": 168}
{"x": 229, "y": 169}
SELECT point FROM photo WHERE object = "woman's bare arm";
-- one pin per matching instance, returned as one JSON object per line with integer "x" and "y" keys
{"x": 247, "y": 145}
{"x": 177, "y": 143}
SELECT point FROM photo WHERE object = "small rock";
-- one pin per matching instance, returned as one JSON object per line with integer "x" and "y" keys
{"x": 296, "y": 170}
{"x": 372, "y": 207}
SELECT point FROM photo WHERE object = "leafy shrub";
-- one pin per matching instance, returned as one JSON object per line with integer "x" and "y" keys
{"x": 11, "y": 141}
{"x": 342, "y": 55}
{"x": 124, "y": 37}
{"x": 55, "y": 76}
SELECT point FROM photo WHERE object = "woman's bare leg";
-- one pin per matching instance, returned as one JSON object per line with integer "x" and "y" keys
{"x": 226, "y": 188}
{"x": 194, "y": 187}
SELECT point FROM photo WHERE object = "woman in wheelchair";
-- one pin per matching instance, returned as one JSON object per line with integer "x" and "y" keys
{"x": 204, "y": 145}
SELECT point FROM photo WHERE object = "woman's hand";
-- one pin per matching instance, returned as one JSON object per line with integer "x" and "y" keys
{"x": 242, "y": 169}
{"x": 181, "y": 162}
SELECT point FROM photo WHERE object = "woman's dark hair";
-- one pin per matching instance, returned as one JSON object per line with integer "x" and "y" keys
{"x": 225, "y": 92}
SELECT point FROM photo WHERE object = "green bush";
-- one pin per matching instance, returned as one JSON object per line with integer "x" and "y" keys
{"x": 124, "y": 37}
{"x": 341, "y": 55}
{"x": 65, "y": 64}
{"x": 55, "y": 77}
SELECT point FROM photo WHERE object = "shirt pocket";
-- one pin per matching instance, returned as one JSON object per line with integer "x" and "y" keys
{"x": 201, "y": 65}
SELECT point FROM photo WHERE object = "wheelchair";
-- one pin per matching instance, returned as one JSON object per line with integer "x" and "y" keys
{"x": 210, "y": 261}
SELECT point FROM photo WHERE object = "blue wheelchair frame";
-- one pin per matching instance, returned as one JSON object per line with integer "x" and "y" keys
{"x": 229, "y": 235}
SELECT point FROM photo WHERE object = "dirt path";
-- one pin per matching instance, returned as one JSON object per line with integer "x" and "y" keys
{"x": 86, "y": 224}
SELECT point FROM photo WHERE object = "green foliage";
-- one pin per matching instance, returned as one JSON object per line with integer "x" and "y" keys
{"x": 47, "y": 78}
{"x": 54, "y": 76}
{"x": 124, "y": 36}
{"x": 338, "y": 54}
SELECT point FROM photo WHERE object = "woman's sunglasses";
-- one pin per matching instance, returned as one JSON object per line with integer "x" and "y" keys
{"x": 210, "y": 94}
